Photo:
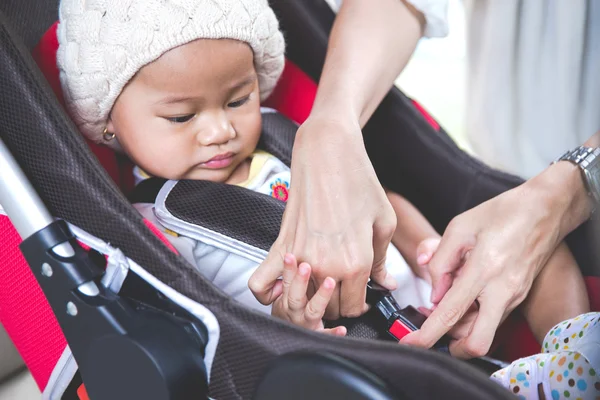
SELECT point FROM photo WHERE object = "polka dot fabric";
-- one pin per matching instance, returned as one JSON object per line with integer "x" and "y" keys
{"x": 568, "y": 368}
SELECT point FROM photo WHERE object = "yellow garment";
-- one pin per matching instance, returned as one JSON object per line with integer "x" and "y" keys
{"x": 259, "y": 158}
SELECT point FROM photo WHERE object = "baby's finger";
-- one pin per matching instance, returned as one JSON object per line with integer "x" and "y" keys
{"x": 296, "y": 299}
{"x": 318, "y": 303}
{"x": 337, "y": 331}
{"x": 290, "y": 267}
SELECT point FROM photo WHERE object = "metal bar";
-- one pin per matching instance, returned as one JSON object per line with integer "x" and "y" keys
{"x": 18, "y": 198}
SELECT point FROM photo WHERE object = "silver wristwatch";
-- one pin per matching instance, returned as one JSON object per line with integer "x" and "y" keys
{"x": 588, "y": 160}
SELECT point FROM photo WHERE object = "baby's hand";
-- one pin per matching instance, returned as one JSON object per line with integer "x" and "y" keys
{"x": 425, "y": 251}
{"x": 293, "y": 305}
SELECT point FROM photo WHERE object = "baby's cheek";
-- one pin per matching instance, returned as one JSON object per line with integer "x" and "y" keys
{"x": 163, "y": 160}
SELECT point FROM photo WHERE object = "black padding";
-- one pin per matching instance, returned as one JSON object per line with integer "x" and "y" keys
{"x": 369, "y": 326}
{"x": 305, "y": 25}
{"x": 30, "y": 18}
{"x": 233, "y": 211}
{"x": 147, "y": 190}
{"x": 278, "y": 134}
{"x": 324, "y": 376}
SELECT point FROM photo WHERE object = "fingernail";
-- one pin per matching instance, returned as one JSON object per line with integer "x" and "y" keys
{"x": 288, "y": 259}
{"x": 303, "y": 269}
{"x": 329, "y": 283}
{"x": 422, "y": 259}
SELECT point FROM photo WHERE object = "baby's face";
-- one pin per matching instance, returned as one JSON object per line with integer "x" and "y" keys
{"x": 194, "y": 113}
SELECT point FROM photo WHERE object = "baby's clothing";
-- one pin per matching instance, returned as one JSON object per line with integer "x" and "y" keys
{"x": 568, "y": 368}
{"x": 231, "y": 272}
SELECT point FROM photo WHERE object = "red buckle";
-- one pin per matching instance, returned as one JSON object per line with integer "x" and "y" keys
{"x": 399, "y": 330}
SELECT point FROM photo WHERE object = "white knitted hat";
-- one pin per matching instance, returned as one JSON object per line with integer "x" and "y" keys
{"x": 104, "y": 43}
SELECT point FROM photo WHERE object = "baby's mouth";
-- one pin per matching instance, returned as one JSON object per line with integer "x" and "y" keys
{"x": 219, "y": 161}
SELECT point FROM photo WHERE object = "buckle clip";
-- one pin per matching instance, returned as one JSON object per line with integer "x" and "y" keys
{"x": 400, "y": 321}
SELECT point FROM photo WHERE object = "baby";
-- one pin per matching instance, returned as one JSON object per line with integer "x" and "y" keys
{"x": 177, "y": 86}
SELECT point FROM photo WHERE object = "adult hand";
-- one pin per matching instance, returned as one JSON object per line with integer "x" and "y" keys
{"x": 499, "y": 248}
{"x": 338, "y": 218}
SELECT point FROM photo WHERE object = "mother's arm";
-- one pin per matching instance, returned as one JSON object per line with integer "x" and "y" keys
{"x": 338, "y": 218}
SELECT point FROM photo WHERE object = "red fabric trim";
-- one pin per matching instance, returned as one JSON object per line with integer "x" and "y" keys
{"x": 24, "y": 310}
{"x": 426, "y": 115}
{"x": 593, "y": 288}
{"x": 294, "y": 94}
{"x": 160, "y": 235}
{"x": 82, "y": 393}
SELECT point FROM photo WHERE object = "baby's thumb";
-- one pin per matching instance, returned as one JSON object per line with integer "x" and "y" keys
{"x": 426, "y": 250}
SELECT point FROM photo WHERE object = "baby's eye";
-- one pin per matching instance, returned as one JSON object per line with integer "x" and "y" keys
{"x": 238, "y": 103}
{"x": 180, "y": 119}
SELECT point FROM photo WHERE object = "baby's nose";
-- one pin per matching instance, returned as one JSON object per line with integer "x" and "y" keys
{"x": 217, "y": 130}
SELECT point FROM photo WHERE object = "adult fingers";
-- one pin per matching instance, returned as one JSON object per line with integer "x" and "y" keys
{"x": 353, "y": 295}
{"x": 383, "y": 230}
{"x": 477, "y": 343}
{"x": 447, "y": 259}
{"x": 447, "y": 314}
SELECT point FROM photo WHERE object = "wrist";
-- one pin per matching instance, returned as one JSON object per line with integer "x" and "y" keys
{"x": 564, "y": 196}
{"x": 335, "y": 109}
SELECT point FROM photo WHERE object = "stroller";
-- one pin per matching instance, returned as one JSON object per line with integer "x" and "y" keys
{"x": 139, "y": 321}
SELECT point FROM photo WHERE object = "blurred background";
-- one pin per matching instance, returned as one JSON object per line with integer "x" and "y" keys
{"x": 435, "y": 75}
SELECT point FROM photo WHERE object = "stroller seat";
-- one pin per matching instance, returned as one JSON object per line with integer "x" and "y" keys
{"x": 75, "y": 188}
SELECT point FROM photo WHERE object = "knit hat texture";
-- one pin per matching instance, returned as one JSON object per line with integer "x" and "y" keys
{"x": 104, "y": 43}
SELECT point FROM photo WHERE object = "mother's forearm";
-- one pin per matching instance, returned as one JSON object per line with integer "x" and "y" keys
{"x": 370, "y": 44}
